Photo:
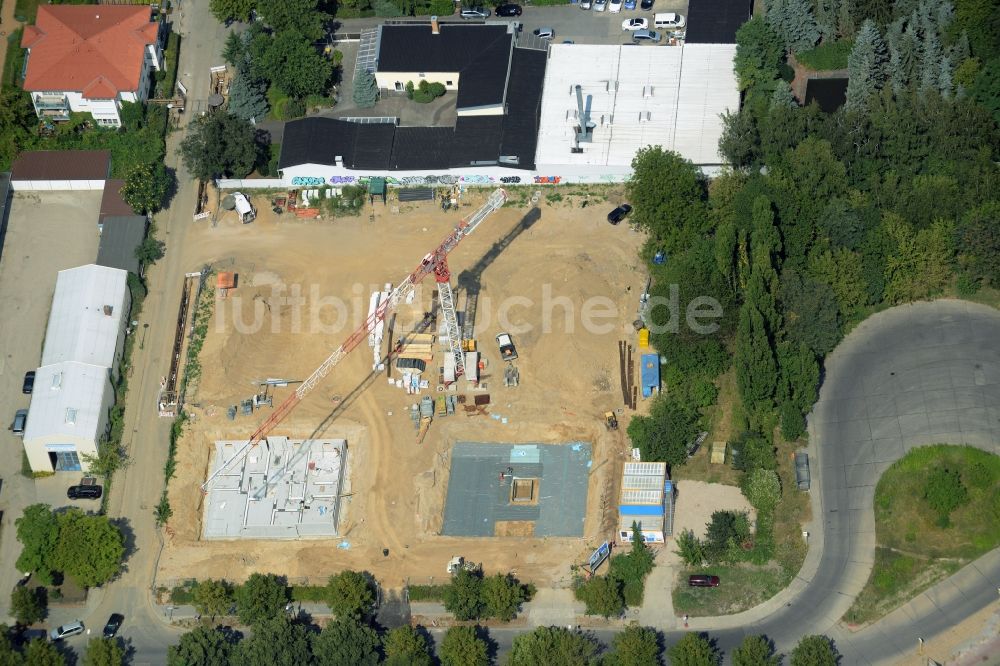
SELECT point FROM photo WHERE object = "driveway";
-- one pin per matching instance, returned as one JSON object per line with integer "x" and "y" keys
{"x": 913, "y": 375}
{"x": 46, "y": 233}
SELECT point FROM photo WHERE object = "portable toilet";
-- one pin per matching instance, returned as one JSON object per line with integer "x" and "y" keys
{"x": 644, "y": 338}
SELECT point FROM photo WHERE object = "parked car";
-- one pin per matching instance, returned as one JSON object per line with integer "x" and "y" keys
{"x": 584, "y": 4}
{"x": 544, "y": 33}
{"x": 568, "y": 41}
{"x": 20, "y": 421}
{"x": 508, "y": 351}
{"x": 668, "y": 21}
{"x": 802, "y": 478}
{"x": 650, "y": 36}
{"x": 600, "y": 5}
{"x": 29, "y": 382}
{"x": 509, "y": 9}
{"x": 646, "y": 5}
{"x": 84, "y": 492}
{"x": 66, "y": 630}
{"x": 702, "y": 580}
{"x": 614, "y": 6}
{"x": 632, "y": 24}
{"x": 113, "y": 624}
{"x": 619, "y": 214}
{"x": 629, "y": 4}
{"x": 475, "y": 13}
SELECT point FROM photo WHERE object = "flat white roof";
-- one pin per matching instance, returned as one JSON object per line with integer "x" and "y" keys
{"x": 86, "y": 315}
{"x": 639, "y": 96}
{"x": 67, "y": 400}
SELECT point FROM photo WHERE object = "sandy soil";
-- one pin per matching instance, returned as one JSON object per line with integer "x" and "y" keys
{"x": 569, "y": 378}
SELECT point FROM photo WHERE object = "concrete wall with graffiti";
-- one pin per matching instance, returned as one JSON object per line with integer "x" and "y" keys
{"x": 313, "y": 175}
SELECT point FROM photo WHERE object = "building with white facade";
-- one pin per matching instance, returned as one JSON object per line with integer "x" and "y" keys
{"x": 646, "y": 501}
{"x": 74, "y": 390}
{"x": 90, "y": 59}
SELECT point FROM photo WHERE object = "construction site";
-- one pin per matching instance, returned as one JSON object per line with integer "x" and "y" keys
{"x": 375, "y": 390}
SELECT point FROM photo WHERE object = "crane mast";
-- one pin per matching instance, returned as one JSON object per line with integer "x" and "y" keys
{"x": 436, "y": 262}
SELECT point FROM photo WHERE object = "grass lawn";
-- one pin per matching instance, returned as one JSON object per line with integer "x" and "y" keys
{"x": 741, "y": 586}
{"x": 720, "y": 429}
{"x": 277, "y": 101}
{"x": 25, "y": 10}
{"x": 827, "y": 56}
{"x": 914, "y": 552}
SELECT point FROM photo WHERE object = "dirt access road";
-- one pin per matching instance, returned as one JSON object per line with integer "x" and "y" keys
{"x": 279, "y": 322}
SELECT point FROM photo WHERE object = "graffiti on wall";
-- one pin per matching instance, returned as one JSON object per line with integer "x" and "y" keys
{"x": 342, "y": 180}
{"x": 307, "y": 180}
{"x": 547, "y": 180}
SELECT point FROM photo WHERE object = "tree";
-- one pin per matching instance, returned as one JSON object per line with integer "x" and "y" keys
{"x": 38, "y": 532}
{"x": 754, "y": 360}
{"x": 814, "y": 651}
{"x": 146, "y": 187}
{"x": 667, "y": 194}
{"x": 762, "y": 489}
{"x": 8, "y": 655}
{"x": 978, "y": 240}
{"x": 302, "y": 16}
{"x": 293, "y": 64}
{"x": 793, "y": 22}
{"x": 103, "y": 652}
{"x": 693, "y": 650}
{"x": 276, "y": 641}
{"x": 755, "y": 651}
{"x": 219, "y": 145}
{"x": 365, "y": 93}
{"x": 201, "y": 647}
{"x": 552, "y": 645}
{"x": 42, "y": 653}
{"x": 945, "y": 492}
{"x": 665, "y": 434}
{"x": 90, "y": 548}
{"x": 758, "y": 54}
{"x": 16, "y": 115}
{"x": 867, "y": 66}
{"x": 462, "y": 597}
{"x": 346, "y": 642}
{"x": 501, "y": 596}
{"x": 247, "y": 96}
{"x": 228, "y": 10}
{"x": 28, "y": 605}
{"x": 262, "y": 597}
{"x": 753, "y": 451}
{"x": 726, "y": 532}
{"x": 603, "y": 596}
{"x": 213, "y": 597}
{"x": 635, "y": 646}
{"x": 920, "y": 263}
{"x": 690, "y": 548}
{"x": 150, "y": 250}
{"x": 350, "y": 594}
{"x": 462, "y": 646}
{"x": 405, "y": 646}
{"x": 810, "y": 312}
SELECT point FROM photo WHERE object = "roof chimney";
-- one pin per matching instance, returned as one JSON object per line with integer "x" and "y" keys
{"x": 435, "y": 28}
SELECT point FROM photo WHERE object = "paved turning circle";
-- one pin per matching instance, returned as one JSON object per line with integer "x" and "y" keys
{"x": 916, "y": 374}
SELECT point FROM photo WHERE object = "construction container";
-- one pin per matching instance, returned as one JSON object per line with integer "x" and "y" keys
{"x": 650, "y": 374}
{"x": 472, "y": 366}
{"x": 442, "y": 406}
{"x": 643, "y": 338}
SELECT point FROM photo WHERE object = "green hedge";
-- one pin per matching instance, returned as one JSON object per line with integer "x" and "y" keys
{"x": 427, "y": 592}
{"x": 14, "y": 60}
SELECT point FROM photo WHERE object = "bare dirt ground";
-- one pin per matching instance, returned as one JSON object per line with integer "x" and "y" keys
{"x": 539, "y": 288}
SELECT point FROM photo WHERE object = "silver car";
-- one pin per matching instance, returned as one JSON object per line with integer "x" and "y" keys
{"x": 646, "y": 36}
{"x": 66, "y": 630}
{"x": 600, "y": 5}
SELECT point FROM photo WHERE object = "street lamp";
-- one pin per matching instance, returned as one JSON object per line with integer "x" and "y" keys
{"x": 142, "y": 343}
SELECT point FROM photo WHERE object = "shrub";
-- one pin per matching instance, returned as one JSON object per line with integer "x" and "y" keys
{"x": 602, "y": 595}
{"x": 945, "y": 492}
{"x": 294, "y": 108}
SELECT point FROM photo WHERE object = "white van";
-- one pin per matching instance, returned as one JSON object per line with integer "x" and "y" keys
{"x": 668, "y": 21}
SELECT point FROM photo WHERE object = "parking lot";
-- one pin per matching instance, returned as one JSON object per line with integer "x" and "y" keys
{"x": 590, "y": 27}
{"x": 46, "y": 232}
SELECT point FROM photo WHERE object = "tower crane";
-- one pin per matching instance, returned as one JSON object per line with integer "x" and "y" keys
{"x": 436, "y": 262}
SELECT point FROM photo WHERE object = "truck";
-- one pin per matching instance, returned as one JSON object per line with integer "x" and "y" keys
{"x": 508, "y": 351}
{"x": 458, "y": 563}
{"x": 802, "y": 470}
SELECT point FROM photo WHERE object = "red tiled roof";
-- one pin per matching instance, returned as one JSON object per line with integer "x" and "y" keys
{"x": 97, "y": 50}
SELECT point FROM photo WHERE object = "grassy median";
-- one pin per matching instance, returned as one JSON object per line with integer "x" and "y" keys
{"x": 936, "y": 509}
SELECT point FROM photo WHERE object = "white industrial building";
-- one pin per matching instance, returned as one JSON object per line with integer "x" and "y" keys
{"x": 671, "y": 96}
{"x": 646, "y": 501}
{"x": 73, "y": 392}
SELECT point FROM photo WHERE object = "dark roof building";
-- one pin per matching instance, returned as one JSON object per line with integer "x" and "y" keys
{"x": 62, "y": 165}
{"x": 120, "y": 236}
{"x": 716, "y": 21}
{"x": 502, "y": 131}
{"x": 112, "y": 202}
{"x": 474, "y": 58}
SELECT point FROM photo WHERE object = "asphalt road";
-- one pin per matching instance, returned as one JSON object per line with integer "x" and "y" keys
{"x": 913, "y": 375}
